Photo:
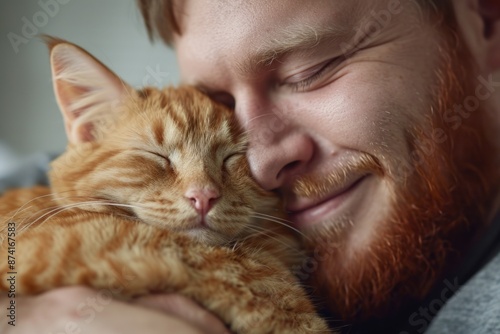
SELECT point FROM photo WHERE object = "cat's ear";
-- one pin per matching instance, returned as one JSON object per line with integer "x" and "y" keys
{"x": 88, "y": 93}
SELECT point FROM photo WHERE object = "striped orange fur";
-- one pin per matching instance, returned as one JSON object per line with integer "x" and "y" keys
{"x": 117, "y": 215}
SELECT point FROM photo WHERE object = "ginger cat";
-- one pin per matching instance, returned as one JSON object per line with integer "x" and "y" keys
{"x": 153, "y": 194}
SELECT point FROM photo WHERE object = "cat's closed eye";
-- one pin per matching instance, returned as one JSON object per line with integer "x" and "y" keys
{"x": 163, "y": 159}
{"x": 230, "y": 159}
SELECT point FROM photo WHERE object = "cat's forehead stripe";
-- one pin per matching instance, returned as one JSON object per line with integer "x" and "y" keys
{"x": 158, "y": 131}
{"x": 163, "y": 100}
{"x": 146, "y": 92}
{"x": 187, "y": 115}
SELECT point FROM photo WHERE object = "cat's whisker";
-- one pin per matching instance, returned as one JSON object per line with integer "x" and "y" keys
{"x": 77, "y": 205}
{"x": 57, "y": 196}
{"x": 26, "y": 226}
{"x": 92, "y": 198}
{"x": 104, "y": 203}
{"x": 269, "y": 234}
{"x": 56, "y": 210}
{"x": 274, "y": 217}
{"x": 25, "y": 206}
{"x": 279, "y": 221}
{"x": 266, "y": 232}
{"x": 85, "y": 198}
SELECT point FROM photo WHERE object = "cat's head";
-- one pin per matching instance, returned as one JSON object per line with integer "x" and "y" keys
{"x": 171, "y": 158}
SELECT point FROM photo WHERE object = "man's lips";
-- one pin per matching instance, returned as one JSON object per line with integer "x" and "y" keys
{"x": 302, "y": 204}
{"x": 307, "y": 211}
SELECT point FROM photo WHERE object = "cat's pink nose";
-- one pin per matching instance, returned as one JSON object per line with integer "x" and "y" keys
{"x": 202, "y": 199}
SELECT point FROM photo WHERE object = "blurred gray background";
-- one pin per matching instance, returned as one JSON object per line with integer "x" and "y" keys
{"x": 112, "y": 30}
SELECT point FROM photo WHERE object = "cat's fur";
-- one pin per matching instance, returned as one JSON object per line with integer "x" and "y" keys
{"x": 117, "y": 216}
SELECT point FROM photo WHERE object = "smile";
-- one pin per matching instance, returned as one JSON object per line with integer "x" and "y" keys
{"x": 330, "y": 206}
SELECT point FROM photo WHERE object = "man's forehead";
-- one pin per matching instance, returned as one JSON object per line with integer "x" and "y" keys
{"x": 256, "y": 32}
{"x": 224, "y": 17}
{"x": 263, "y": 25}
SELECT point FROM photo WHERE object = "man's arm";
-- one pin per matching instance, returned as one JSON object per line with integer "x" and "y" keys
{"x": 77, "y": 310}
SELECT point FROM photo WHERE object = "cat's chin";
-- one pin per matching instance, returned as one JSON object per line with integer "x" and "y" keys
{"x": 206, "y": 236}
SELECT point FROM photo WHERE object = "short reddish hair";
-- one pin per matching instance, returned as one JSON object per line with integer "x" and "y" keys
{"x": 160, "y": 20}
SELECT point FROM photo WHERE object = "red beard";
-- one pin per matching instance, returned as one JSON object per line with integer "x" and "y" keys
{"x": 438, "y": 205}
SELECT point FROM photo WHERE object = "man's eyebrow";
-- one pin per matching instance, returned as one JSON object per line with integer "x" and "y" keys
{"x": 293, "y": 40}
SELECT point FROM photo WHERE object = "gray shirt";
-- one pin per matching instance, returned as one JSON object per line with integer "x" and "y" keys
{"x": 475, "y": 308}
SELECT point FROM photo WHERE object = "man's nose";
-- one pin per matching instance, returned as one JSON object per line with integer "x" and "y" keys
{"x": 278, "y": 149}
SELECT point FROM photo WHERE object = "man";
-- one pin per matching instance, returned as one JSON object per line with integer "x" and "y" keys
{"x": 377, "y": 121}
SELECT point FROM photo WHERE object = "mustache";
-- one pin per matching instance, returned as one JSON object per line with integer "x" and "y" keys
{"x": 316, "y": 185}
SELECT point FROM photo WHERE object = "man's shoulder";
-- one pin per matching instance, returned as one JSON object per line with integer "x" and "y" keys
{"x": 475, "y": 308}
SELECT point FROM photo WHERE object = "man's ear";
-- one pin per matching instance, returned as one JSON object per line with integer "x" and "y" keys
{"x": 479, "y": 21}
{"x": 88, "y": 93}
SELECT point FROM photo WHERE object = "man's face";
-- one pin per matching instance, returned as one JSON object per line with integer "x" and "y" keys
{"x": 332, "y": 93}
{"x": 348, "y": 92}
